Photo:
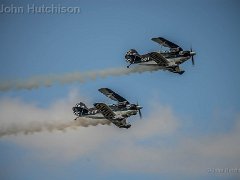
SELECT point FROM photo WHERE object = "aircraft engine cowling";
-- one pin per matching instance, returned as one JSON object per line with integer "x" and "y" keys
{"x": 132, "y": 56}
{"x": 184, "y": 53}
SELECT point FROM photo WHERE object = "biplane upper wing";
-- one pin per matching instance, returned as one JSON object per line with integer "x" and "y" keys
{"x": 112, "y": 95}
{"x": 159, "y": 58}
{"x": 166, "y": 43}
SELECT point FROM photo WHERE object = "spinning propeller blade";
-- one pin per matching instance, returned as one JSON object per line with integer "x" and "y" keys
{"x": 139, "y": 111}
{"x": 193, "y": 62}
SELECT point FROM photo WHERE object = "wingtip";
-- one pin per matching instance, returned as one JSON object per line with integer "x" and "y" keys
{"x": 103, "y": 88}
{"x": 154, "y": 38}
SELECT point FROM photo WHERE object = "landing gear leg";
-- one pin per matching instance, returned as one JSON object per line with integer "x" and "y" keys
{"x": 129, "y": 65}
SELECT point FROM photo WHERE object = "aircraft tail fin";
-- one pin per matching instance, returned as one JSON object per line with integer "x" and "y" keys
{"x": 80, "y": 109}
{"x": 132, "y": 56}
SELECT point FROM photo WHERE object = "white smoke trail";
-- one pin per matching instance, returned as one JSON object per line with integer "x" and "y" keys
{"x": 36, "y": 82}
{"x": 34, "y": 127}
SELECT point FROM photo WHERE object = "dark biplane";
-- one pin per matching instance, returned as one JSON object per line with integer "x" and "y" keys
{"x": 166, "y": 60}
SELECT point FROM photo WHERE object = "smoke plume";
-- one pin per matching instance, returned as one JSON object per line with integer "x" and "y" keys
{"x": 34, "y": 127}
{"x": 48, "y": 80}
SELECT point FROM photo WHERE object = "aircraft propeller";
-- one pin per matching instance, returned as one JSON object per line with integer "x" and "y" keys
{"x": 139, "y": 110}
{"x": 140, "y": 113}
{"x": 192, "y": 53}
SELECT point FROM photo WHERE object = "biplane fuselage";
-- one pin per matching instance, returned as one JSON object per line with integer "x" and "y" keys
{"x": 96, "y": 114}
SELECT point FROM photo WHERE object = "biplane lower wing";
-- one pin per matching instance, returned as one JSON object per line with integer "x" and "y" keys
{"x": 105, "y": 110}
{"x": 158, "y": 58}
{"x": 110, "y": 115}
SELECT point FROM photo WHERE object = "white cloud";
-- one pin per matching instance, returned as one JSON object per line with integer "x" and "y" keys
{"x": 189, "y": 155}
{"x": 152, "y": 145}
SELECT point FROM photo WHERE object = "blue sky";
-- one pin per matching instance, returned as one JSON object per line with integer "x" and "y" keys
{"x": 202, "y": 105}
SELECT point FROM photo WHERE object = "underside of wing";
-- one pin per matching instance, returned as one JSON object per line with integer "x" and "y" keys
{"x": 158, "y": 58}
{"x": 122, "y": 124}
{"x": 112, "y": 95}
{"x": 105, "y": 110}
{"x": 166, "y": 43}
{"x": 110, "y": 115}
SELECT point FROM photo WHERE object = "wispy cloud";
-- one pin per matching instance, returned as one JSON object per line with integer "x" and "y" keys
{"x": 154, "y": 144}
{"x": 18, "y": 117}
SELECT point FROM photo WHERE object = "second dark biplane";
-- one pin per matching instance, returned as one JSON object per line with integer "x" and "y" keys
{"x": 166, "y": 60}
